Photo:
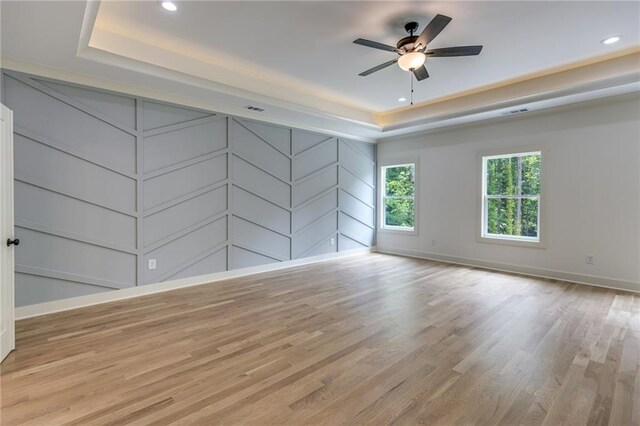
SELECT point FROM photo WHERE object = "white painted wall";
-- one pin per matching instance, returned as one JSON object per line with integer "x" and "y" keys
{"x": 593, "y": 193}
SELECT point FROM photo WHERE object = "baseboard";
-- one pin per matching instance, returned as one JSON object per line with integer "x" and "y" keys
{"x": 519, "y": 269}
{"x": 127, "y": 293}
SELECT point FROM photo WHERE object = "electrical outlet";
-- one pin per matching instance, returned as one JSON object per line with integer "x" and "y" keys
{"x": 332, "y": 241}
{"x": 589, "y": 259}
{"x": 152, "y": 264}
{"x": 434, "y": 243}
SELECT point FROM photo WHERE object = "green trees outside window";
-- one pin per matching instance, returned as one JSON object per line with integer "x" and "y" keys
{"x": 511, "y": 199}
{"x": 399, "y": 196}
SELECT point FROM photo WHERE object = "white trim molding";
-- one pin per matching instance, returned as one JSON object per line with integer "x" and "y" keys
{"x": 591, "y": 280}
{"x": 45, "y": 308}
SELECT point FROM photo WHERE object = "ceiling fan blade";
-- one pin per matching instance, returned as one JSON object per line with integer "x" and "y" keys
{"x": 432, "y": 29}
{"x": 375, "y": 45}
{"x": 455, "y": 51}
{"x": 421, "y": 73}
{"x": 378, "y": 68}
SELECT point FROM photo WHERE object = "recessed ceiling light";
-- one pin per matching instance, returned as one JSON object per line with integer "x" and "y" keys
{"x": 611, "y": 40}
{"x": 169, "y": 5}
{"x": 402, "y": 99}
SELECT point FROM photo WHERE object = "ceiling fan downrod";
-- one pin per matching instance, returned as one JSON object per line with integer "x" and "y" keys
{"x": 411, "y": 27}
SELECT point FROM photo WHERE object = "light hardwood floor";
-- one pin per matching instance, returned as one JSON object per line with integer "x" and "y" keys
{"x": 370, "y": 339}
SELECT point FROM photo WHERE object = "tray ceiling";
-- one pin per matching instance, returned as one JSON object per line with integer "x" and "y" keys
{"x": 307, "y": 45}
{"x": 296, "y": 59}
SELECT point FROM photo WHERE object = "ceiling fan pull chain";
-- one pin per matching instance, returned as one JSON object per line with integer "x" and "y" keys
{"x": 411, "y": 78}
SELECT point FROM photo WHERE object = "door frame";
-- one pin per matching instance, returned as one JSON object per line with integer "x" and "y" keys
{"x": 7, "y": 254}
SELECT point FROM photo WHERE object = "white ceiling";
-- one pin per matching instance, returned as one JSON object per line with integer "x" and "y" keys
{"x": 309, "y": 45}
{"x": 296, "y": 58}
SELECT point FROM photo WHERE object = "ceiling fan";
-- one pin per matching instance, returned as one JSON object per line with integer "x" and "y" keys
{"x": 413, "y": 49}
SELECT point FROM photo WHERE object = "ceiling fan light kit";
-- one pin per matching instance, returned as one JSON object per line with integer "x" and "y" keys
{"x": 411, "y": 61}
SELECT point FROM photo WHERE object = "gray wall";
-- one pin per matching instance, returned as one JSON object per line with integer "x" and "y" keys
{"x": 104, "y": 182}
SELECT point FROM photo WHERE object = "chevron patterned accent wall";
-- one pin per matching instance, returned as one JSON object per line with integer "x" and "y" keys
{"x": 106, "y": 182}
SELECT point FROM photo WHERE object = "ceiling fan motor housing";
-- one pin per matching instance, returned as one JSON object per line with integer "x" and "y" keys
{"x": 407, "y": 43}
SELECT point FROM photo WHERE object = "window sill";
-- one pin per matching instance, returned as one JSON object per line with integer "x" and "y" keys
{"x": 513, "y": 242}
{"x": 408, "y": 232}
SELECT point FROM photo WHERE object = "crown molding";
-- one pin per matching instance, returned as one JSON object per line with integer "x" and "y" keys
{"x": 594, "y": 75}
{"x": 497, "y": 113}
{"x": 516, "y": 80}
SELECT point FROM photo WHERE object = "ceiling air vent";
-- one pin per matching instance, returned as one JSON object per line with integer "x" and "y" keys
{"x": 516, "y": 111}
{"x": 254, "y": 108}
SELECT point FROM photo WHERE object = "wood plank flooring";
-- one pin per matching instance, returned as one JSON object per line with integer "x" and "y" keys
{"x": 369, "y": 339}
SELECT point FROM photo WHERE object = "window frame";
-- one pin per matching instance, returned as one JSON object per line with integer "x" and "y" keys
{"x": 382, "y": 166}
{"x": 482, "y": 236}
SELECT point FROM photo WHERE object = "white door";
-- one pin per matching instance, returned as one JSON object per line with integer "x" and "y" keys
{"x": 7, "y": 242}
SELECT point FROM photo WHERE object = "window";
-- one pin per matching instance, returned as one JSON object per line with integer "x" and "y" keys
{"x": 399, "y": 197}
{"x": 511, "y": 188}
